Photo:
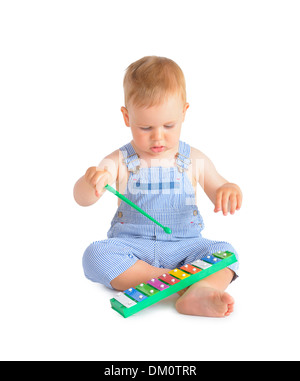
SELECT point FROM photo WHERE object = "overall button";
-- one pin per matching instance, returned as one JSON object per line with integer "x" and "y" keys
{"x": 195, "y": 212}
{"x": 120, "y": 214}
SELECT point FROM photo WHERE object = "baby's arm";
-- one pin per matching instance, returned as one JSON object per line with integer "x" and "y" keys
{"x": 224, "y": 195}
{"x": 90, "y": 187}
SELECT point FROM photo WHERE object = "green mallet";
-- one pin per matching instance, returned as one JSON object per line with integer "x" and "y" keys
{"x": 125, "y": 199}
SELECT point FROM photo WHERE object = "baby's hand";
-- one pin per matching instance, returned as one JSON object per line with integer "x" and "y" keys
{"x": 229, "y": 196}
{"x": 97, "y": 179}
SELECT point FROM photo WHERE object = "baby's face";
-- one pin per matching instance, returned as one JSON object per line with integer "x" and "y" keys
{"x": 156, "y": 130}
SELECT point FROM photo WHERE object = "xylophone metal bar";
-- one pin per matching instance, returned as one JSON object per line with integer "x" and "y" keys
{"x": 225, "y": 259}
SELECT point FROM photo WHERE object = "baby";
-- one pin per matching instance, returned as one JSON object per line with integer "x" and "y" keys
{"x": 159, "y": 173}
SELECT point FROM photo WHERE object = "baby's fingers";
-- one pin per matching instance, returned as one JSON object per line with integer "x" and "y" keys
{"x": 239, "y": 201}
{"x": 233, "y": 203}
{"x": 89, "y": 174}
{"x": 225, "y": 200}
{"x": 96, "y": 178}
{"x": 99, "y": 188}
{"x": 218, "y": 203}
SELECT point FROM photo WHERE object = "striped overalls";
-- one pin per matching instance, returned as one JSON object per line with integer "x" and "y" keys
{"x": 168, "y": 196}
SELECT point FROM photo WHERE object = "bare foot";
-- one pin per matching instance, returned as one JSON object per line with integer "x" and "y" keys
{"x": 205, "y": 301}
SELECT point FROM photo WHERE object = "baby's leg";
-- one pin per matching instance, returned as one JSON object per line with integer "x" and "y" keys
{"x": 140, "y": 272}
{"x": 116, "y": 264}
{"x": 208, "y": 297}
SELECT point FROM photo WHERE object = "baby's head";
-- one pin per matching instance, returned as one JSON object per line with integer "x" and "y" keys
{"x": 155, "y": 103}
{"x": 150, "y": 80}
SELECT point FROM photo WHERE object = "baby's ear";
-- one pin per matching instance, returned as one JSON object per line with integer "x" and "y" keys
{"x": 185, "y": 107}
{"x": 125, "y": 116}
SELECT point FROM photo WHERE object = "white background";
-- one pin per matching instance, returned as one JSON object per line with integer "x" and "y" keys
{"x": 62, "y": 65}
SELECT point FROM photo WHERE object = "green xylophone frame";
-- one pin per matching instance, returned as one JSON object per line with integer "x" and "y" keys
{"x": 126, "y": 312}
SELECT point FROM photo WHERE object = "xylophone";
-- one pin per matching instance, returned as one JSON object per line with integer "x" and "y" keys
{"x": 144, "y": 295}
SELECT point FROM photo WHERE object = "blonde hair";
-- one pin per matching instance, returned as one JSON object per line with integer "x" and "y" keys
{"x": 150, "y": 79}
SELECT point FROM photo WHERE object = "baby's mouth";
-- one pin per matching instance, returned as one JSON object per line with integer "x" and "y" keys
{"x": 157, "y": 149}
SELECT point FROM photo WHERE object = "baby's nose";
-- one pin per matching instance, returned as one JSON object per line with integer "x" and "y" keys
{"x": 158, "y": 134}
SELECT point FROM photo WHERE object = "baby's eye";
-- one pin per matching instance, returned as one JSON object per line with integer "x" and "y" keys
{"x": 169, "y": 126}
{"x": 145, "y": 128}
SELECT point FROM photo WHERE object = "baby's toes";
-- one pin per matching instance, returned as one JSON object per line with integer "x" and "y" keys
{"x": 228, "y": 299}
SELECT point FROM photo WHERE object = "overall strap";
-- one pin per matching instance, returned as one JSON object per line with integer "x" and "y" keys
{"x": 130, "y": 158}
{"x": 183, "y": 160}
